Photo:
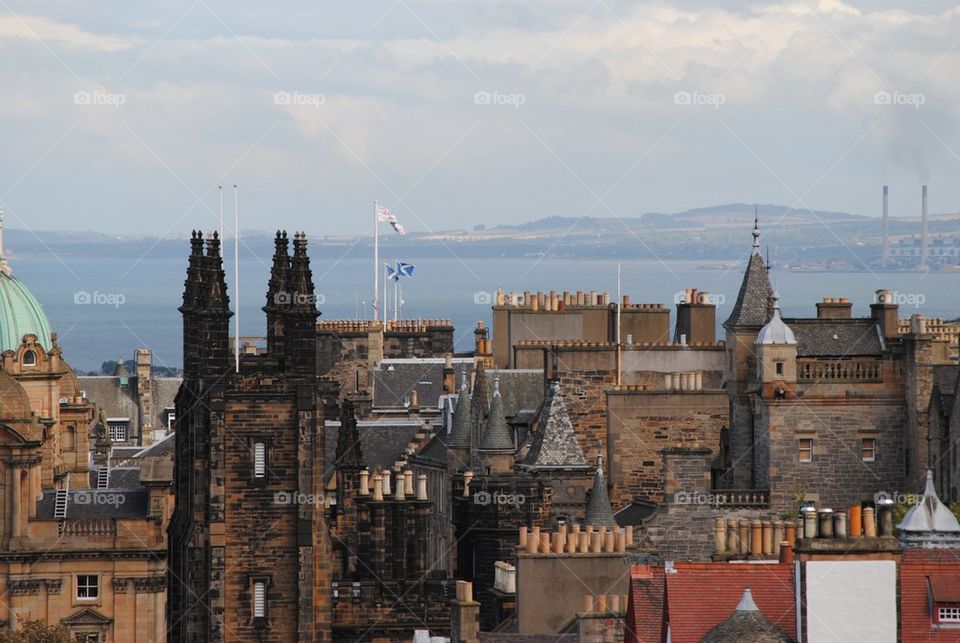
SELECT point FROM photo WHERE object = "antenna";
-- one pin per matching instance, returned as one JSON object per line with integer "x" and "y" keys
{"x": 220, "y": 190}
{"x": 236, "y": 273}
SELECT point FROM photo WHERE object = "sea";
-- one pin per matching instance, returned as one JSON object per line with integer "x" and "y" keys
{"x": 104, "y": 308}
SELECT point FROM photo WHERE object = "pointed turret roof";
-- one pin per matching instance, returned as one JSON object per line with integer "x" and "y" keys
{"x": 192, "y": 287}
{"x": 459, "y": 437}
{"x": 776, "y": 330}
{"x": 277, "y": 292}
{"x": 497, "y": 437}
{"x": 747, "y": 624}
{"x": 302, "y": 296}
{"x": 755, "y": 299}
{"x": 929, "y": 523}
{"x": 348, "y": 452}
{"x": 214, "y": 293}
{"x": 555, "y": 443}
{"x": 599, "y": 510}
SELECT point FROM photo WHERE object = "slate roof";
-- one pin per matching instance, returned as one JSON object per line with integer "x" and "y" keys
{"x": 836, "y": 337}
{"x": 755, "y": 299}
{"x": 382, "y": 442}
{"x": 461, "y": 429}
{"x": 497, "y": 436}
{"x": 97, "y": 503}
{"x": 120, "y": 478}
{"x": 395, "y": 378}
{"x": 599, "y": 511}
{"x": 521, "y": 389}
{"x": 945, "y": 378}
{"x": 747, "y": 624}
{"x": 555, "y": 443}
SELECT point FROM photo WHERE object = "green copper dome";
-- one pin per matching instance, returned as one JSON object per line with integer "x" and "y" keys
{"x": 20, "y": 314}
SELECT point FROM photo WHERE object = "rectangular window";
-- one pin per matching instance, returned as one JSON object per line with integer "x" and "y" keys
{"x": 88, "y": 587}
{"x": 948, "y": 614}
{"x": 259, "y": 460}
{"x": 869, "y": 449}
{"x": 259, "y": 599}
{"x": 118, "y": 431}
{"x": 806, "y": 449}
{"x": 779, "y": 368}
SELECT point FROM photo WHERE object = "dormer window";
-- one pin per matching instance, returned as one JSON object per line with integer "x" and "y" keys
{"x": 29, "y": 358}
{"x": 948, "y": 613}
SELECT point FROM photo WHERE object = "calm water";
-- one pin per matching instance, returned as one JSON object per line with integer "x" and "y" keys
{"x": 150, "y": 291}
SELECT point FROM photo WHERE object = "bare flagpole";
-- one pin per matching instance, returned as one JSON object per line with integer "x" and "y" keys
{"x": 376, "y": 262}
{"x": 220, "y": 190}
{"x": 236, "y": 273}
{"x": 619, "y": 343}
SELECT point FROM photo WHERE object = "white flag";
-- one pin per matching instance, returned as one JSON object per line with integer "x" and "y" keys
{"x": 385, "y": 215}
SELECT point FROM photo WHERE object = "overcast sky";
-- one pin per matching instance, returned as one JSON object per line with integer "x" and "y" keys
{"x": 124, "y": 116}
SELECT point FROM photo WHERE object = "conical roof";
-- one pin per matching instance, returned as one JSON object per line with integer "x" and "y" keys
{"x": 459, "y": 437}
{"x": 497, "y": 437}
{"x": 555, "y": 444}
{"x": 929, "y": 523}
{"x": 754, "y": 301}
{"x": 599, "y": 510}
{"x": 746, "y": 625}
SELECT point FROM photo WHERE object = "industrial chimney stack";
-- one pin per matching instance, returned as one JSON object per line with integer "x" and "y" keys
{"x": 885, "y": 253}
{"x": 923, "y": 232}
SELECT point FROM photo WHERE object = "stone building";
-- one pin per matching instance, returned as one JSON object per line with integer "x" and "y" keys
{"x": 77, "y": 547}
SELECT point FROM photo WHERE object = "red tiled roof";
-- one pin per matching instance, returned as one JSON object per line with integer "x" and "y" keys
{"x": 645, "y": 615}
{"x": 703, "y": 595}
{"x": 921, "y": 571}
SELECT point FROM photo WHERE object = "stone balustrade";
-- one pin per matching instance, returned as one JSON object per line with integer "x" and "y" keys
{"x": 855, "y": 370}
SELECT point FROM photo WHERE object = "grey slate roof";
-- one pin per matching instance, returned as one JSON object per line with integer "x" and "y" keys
{"x": 599, "y": 511}
{"x": 755, "y": 299}
{"x": 395, "y": 378}
{"x": 381, "y": 442}
{"x": 97, "y": 503}
{"x": 836, "y": 337}
{"x": 460, "y": 432}
{"x": 120, "y": 478}
{"x": 747, "y": 624}
{"x": 520, "y": 388}
{"x": 555, "y": 444}
{"x": 945, "y": 378}
{"x": 497, "y": 436}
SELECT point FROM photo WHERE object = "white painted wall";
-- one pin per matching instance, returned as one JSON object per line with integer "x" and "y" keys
{"x": 853, "y": 600}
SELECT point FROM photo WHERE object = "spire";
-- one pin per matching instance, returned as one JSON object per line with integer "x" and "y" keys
{"x": 747, "y": 623}
{"x": 459, "y": 437}
{"x": 302, "y": 296}
{"x": 599, "y": 511}
{"x": 756, "y": 229}
{"x": 215, "y": 296}
{"x": 349, "y": 453}
{"x": 776, "y": 330}
{"x": 480, "y": 403}
{"x": 746, "y": 602}
{"x": 755, "y": 299}
{"x": 555, "y": 443}
{"x": 277, "y": 294}
{"x": 497, "y": 437}
{"x": 193, "y": 285}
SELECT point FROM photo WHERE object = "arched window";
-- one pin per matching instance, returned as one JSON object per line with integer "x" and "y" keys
{"x": 29, "y": 358}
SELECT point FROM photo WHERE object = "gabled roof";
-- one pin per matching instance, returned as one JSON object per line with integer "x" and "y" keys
{"x": 755, "y": 297}
{"x": 87, "y": 616}
{"x": 555, "y": 444}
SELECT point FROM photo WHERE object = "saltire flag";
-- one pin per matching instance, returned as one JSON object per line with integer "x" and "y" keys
{"x": 386, "y": 216}
{"x": 401, "y": 270}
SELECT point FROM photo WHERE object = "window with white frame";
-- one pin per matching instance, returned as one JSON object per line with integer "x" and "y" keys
{"x": 869, "y": 449}
{"x": 259, "y": 599}
{"x": 805, "y": 447}
{"x": 259, "y": 460}
{"x": 948, "y": 614}
{"x": 88, "y": 587}
{"x": 119, "y": 429}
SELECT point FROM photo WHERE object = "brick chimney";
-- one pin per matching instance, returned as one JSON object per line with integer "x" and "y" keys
{"x": 144, "y": 394}
{"x": 696, "y": 318}
{"x": 885, "y": 312}
{"x": 449, "y": 377}
{"x": 834, "y": 308}
{"x": 465, "y": 615}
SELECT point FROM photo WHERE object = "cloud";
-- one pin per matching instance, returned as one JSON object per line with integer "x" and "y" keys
{"x": 52, "y": 32}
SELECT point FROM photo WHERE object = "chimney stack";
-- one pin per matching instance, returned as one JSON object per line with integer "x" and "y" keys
{"x": 923, "y": 231}
{"x": 885, "y": 252}
{"x": 465, "y": 616}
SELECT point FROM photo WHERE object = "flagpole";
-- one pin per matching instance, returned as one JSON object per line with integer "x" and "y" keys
{"x": 376, "y": 262}
{"x": 220, "y": 190}
{"x": 386, "y": 301}
{"x": 619, "y": 343}
{"x": 236, "y": 272}
{"x": 396, "y": 299}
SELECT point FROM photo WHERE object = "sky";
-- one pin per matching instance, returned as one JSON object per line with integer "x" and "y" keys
{"x": 124, "y": 117}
